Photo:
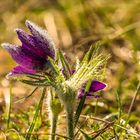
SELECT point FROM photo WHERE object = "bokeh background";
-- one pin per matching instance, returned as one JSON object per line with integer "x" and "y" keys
{"x": 75, "y": 25}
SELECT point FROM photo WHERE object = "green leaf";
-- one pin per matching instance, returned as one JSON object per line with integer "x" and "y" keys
{"x": 90, "y": 67}
{"x": 93, "y": 51}
{"x": 65, "y": 64}
{"x": 81, "y": 104}
{"x": 24, "y": 98}
{"x": 31, "y": 128}
{"x": 58, "y": 75}
{"x": 35, "y": 83}
{"x": 119, "y": 104}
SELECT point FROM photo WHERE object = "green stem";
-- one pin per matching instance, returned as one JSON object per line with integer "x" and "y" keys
{"x": 53, "y": 126}
{"x": 9, "y": 105}
{"x": 70, "y": 122}
{"x": 68, "y": 99}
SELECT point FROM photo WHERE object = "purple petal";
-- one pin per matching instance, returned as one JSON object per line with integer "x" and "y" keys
{"x": 37, "y": 61}
{"x": 20, "y": 70}
{"x": 25, "y": 38}
{"x": 73, "y": 71}
{"x": 95, "y": 86}
{"x": 42, "y": 39}
{"x": 29, "y": 41}
{"x": 24, "y": 57}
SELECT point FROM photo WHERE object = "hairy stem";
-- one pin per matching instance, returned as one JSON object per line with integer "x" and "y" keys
{"x": 70, "y": 122}
{"x": 53, "y": 126}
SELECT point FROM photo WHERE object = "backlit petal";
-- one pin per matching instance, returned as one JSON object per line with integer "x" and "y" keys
{"x": 20, "y": 70}
{"x": 42, "y": 39}
{"x": 95, "y": 86}
{"x": 28, "y": 40}
{"x": 24, "y": 57}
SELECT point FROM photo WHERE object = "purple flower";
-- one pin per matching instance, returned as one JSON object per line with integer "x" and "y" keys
{"x": 32, "y": 55}
{"x": 95, "y": 86}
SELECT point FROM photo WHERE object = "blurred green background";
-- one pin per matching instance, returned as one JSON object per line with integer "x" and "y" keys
{"x": 75, "y": 25}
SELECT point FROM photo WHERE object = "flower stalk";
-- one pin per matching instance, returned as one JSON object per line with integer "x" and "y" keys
{"x": 54, "y": 121}
{"x": 55, "y": 109}
{"x": 70, "y": 121}
{"x": 69, "y": 99}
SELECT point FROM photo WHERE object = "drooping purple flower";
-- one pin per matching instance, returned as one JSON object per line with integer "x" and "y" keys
{"x": 95, "y": 86}
{"x": 32, "y": 55}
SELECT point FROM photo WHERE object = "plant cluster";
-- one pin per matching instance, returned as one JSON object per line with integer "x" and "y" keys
{"x": 41, "y": 64}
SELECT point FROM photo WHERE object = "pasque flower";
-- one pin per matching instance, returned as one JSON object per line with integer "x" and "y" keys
{"x": 32, "y": 55}
{"x": 37, "y": 55}
{"x": 94, "y": 87}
